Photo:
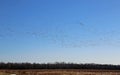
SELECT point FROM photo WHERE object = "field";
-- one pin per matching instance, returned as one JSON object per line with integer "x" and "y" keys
{"x": 60, "y": 72}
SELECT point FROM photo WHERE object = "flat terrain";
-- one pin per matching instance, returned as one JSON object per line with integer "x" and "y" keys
{"x": 60, "y": 72}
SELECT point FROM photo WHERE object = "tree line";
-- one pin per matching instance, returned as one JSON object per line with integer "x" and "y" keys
{"x": 57, "y": 65}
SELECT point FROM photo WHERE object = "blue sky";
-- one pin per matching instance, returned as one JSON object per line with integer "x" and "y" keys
{"x": 79, "y": 31}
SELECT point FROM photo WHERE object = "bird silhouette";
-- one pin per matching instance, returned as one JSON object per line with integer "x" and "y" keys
{"x": 82, "y": 24}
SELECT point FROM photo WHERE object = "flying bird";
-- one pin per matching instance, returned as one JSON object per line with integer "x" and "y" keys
{"x": 82, "y": 24}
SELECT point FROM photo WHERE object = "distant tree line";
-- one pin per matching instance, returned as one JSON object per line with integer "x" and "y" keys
{"x": 57, "y": 65}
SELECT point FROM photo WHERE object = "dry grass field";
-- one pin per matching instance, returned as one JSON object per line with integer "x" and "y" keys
{"x": 60, "y": 72}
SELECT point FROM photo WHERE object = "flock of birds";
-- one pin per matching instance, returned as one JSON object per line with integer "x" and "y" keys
{"x": 58, "y": 38}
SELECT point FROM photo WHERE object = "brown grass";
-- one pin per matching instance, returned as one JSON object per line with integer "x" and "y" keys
{"x": 60, "y": 72}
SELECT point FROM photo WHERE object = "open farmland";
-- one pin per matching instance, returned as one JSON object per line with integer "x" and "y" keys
{"x": 60, "y": 72}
